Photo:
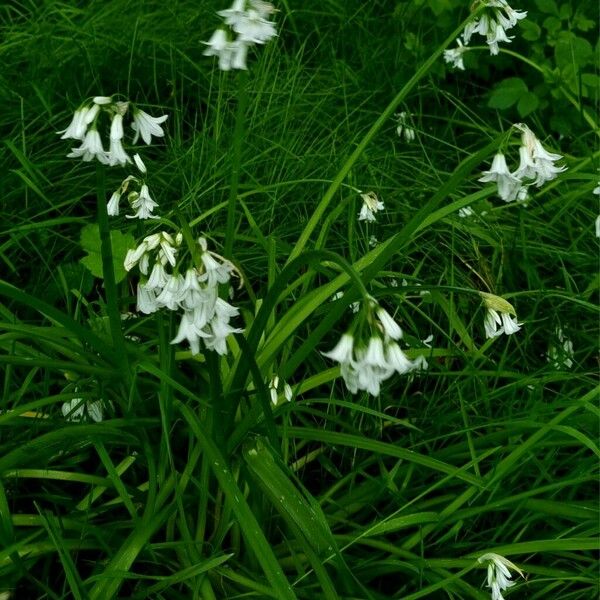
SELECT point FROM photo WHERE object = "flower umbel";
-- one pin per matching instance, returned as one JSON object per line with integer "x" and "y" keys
{"x": 246, "y": 23}
{"x": 499, "y": 578}
{"x": 91, "y": 118}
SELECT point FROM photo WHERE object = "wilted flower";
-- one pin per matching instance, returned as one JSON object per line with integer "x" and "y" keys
{"x": 536, "y": 162}
{"x": 90, "y": 149}
{"x": 371, "y": 205}
{"x": 499, "y": 317}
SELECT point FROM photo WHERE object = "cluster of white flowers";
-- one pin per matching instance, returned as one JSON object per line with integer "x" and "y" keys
{"x": 85, "y": 122}
{"x": 368, "y": 360}
{"x": 500, "y": 316}
{"x": 248, "y": 21}
{"x": 497, "y": 17}
{"x": 194, "y": 289}
{"x": 499, "y": 578}
{"x": 561, "y": 354}
{"x": 371, "y": 205}
{"x": 277, "y": 387}
{"x": 403, "y": 126}
{"x": 536, "y": 167}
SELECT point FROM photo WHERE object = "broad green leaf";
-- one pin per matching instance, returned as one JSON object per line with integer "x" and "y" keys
{"x": 90, "y": 243}
{"x": 507, "y": 93}
{"x": 528, "y": 102}
{"x": 530, "y": 30}
{"x": 572, "y": 51}
{"x": 254, "y": 535}
{"x": 547, "y": 6}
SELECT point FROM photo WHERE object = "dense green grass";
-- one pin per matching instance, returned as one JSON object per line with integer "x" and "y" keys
{"x": 192, "y": 486}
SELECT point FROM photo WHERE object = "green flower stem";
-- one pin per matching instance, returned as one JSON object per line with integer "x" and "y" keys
{"x": 238, "y": 137}
{"x": 317, "y": 216}
{"x": 112, "y": 298}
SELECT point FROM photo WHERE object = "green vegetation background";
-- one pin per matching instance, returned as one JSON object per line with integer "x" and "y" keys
{"x": 491, "y": 450}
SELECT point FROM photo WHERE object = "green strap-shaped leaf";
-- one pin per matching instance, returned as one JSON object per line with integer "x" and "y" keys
{"x": 253, "y": 534}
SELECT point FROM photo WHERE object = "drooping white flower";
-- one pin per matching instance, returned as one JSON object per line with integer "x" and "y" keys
{"x": 116, "y": 153}
{"x": 112, "y": 208}
{"x": 597, "y": 225}
{"x": 77, "y": 410}
{"x": 493, "y": 23}
{"x": 496, "y": 323}
{"x": 508, "y": 184}
{"x": 536, "y": 161}
{"x": 388, "y": 325}
{"x": 188, "y": 331}
{"x": 170, "y": 294}
{"x": 147, "y": 126}
{"x": 249, "y": 21}
{"x": 144, "y": 205}
{"x": 90, "y": 148}
{"x": 371, "y": 205}
{"x": 499, "y": 578}
{"x": 146, "y": 299}
{"x": 139, "y": 163}
{"x": 342, "y": 352}
{"x": 234, "y": 13}
{"x": 275, "y": 389}
{"x": 396, "y": 359}
{"x": 253, "y": 28}
{"x": 465, "y": 211}
{"x": 500, "y": 316}
{"x": 78, "y": 125}
{"x": 403, "y": 127}
{"x": 454, "y": 56}
{"x": 158, "y": 277}
{"x": 527, "y": 168}
{"x": 218, "y": 331}
{"x": 116, "y": 127}
{"x": 420, "y": 363}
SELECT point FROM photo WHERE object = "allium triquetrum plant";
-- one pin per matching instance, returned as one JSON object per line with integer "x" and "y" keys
{"x": 298, "y": 304}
